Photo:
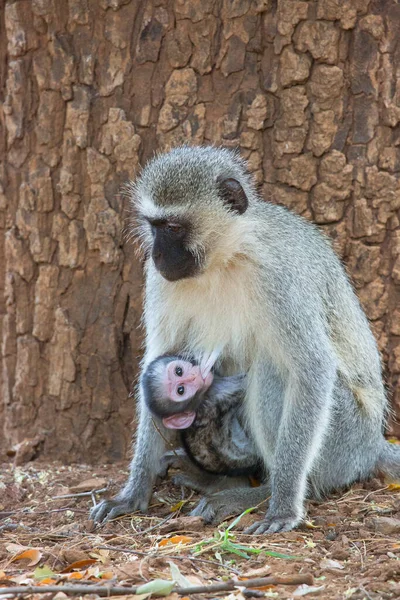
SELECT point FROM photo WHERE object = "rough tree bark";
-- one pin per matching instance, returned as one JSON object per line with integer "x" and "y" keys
{"x": 308, "y": 89}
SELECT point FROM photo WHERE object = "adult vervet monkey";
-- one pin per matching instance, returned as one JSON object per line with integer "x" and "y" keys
{"x": 228, "y": 270}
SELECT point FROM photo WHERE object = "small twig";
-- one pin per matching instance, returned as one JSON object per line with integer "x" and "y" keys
{"x": 80, "y": 494}
{"x": 364, "y": 591}
{"x": 167, "y": 518}
{"x": 14, "y": 527}
{"x": 375, "y": 492}
{"x": 4, "y": 514}
{"x": 104, "y": 590}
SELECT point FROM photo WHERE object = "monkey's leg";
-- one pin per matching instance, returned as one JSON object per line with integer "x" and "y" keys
{"x": 216, "y": 507}
{"x": 195, "y": 478}
{"x": 208, "y": 483}
{"x": 301, "y": 431}
{"x": 136, "y": 494}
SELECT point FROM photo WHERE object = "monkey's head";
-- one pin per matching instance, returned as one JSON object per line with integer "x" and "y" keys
{"x": 173, "y": 390}
{"x": 190, "y": 204}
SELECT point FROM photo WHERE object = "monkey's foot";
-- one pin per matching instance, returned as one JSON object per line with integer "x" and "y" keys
{"x": 107, "y": 510}
{"x": 213, "y": 509}
{"x": 274, "y": 524}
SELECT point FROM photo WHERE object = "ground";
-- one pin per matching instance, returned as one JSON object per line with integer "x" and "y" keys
{"x": 350, "y": 543}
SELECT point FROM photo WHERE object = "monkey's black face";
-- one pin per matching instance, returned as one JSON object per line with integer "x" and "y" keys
{"x": 170, "y": 255}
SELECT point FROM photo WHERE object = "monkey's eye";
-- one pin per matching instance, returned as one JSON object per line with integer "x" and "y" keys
{"x": 180, "y": 390}
{"x": 179, "y": 371}
{"x": 174, "y": 228}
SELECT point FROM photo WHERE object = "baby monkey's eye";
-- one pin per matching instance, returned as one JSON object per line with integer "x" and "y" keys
{"x": 178, "y": 371}
{"x": 181, "y": 390}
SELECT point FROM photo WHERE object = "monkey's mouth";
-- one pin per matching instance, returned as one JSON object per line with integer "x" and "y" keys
{"x": 179, "y": 421}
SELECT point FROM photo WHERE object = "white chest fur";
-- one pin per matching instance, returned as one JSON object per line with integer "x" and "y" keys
{"x": 214, "y": 310}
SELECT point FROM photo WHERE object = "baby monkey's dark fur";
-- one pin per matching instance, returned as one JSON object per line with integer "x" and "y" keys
{"x": 217, "y": 442}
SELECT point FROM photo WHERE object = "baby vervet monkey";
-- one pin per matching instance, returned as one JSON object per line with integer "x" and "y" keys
{"x": 207, "y": 409}
{"x": 226, "y": 269}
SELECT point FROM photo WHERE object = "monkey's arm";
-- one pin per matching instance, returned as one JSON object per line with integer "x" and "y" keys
{"x": 311, "y": 374}
{"x": 136, "y": 493}
{"x": 150, "y": 445}
{"x": 228, "y": 391}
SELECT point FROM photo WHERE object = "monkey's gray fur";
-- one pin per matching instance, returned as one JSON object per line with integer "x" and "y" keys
{"x": 228, "y": 270}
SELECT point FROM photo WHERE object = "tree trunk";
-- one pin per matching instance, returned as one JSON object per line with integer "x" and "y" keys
{"x": 308, "y": 90}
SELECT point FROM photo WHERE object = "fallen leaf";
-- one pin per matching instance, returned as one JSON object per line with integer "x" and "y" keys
{"x": 130, "y": 570}
{"x": 92, "y": 572}
{"x": 15, "y": 548}
{"x": 100, "y": 555}
{"x": 253, "y": 573}
{"x": 264, "y": 588}
{"x": 177, "y": 575}
{"x": 158, "y": 586}
{"x": 43, "y": 573}
{"x": 394, "y": 486}
{"x": 73, "y": 555}
{"x": 305, "y": 590}
{"x": 328, "y": 563}
{"x": 350, "y": 592}
{"x": 79, "y": 564}
{"x": 33, "y": 555}
{"x": 176, "y": 539}
{"x": 280, "y": 555}
{"x": 76, "y": 575}
{"x": 178, "y": 506}
{"x": 106, "y": 575}
{"x": 48, "y": 581}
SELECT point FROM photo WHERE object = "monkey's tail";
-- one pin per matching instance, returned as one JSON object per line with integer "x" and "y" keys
{"x": 389, "y": 461}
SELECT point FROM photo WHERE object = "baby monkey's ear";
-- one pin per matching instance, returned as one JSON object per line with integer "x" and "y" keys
{"x": 232, "y": 194}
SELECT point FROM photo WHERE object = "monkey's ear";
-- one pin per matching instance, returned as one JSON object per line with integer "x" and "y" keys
{"x": 232, "y": 194}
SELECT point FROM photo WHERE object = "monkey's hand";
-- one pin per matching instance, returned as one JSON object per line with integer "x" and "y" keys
{"x": 122, "y": 504}
{"x": 275, "y": 521}
{"x": 208, "y": 361}
{"x": 175, "y": 459}
{"x": 214, "y": 508}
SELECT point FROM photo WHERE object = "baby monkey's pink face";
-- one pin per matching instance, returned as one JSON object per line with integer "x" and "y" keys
{"x": 182, "y": 380}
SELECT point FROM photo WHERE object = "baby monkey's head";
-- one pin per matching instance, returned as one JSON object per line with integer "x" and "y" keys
{"x": 173, "y": 390}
